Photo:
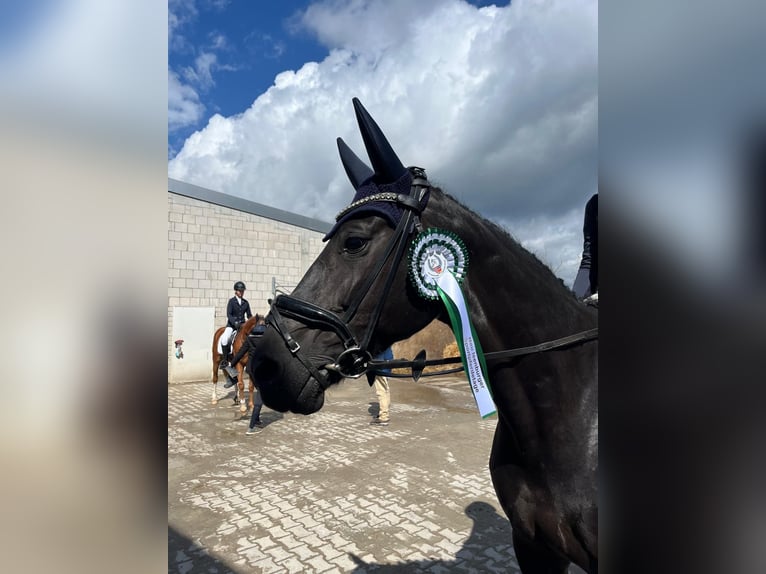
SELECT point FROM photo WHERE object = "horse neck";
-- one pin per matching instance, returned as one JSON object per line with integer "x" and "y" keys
{"x": 516, "y": 301}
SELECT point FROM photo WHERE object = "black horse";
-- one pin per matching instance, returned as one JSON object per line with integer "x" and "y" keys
{"x": 356, "y": 300}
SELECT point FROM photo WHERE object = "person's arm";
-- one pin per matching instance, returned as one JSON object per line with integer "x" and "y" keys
{"x": 248, "y": 312}
{"x": 256, "y": 333}
{"x": 582, "y": 283}
{"x": 589, "y": 231}
{"x": 591, "y": 222}
{"x": 581, "y": 286}
{"x": 230, "y": 316}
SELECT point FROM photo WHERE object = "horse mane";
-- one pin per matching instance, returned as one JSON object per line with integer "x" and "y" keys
{"x": 500, "y": 236}
{"x": 519, "y": 279}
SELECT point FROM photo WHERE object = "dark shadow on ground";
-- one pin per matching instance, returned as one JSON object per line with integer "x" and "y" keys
{"x": 269, "y": 417}
{"x": 488, "y": 548}
{"x": 185, "y": 555}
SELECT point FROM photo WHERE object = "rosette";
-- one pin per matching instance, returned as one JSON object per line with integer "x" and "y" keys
{"x": 433, "y": 252}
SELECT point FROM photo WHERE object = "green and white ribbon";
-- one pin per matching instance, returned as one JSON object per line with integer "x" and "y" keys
{"x": 438, "y": 264}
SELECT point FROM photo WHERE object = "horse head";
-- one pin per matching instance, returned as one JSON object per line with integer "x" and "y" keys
{"x": 355, "y": 300}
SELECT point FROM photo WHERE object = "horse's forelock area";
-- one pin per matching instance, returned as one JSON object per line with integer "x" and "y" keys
{"x": 329, "y": 492}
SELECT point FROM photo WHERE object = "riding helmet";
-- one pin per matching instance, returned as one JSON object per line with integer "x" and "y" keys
{"x": 239, "y": 286}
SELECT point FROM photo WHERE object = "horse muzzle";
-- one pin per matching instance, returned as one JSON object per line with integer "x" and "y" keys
{"x": 284, "y": 383}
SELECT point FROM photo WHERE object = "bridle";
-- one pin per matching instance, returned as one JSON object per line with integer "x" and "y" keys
{"x": 356, "y": 360}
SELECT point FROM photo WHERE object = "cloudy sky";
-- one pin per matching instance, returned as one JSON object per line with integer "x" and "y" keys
{"x": 498, "y": 102}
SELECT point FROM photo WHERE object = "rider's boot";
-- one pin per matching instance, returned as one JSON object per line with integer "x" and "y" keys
{"x": 231, "y": 376}
{"x": 231, "y": 370}
{"x": 224, "y": 356}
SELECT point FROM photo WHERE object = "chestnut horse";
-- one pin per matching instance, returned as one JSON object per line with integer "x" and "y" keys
{"x": 239, "y": 340}
{"x": 540, "y": 343}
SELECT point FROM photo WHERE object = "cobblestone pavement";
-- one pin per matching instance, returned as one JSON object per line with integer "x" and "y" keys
{"x": 329, "y": 492}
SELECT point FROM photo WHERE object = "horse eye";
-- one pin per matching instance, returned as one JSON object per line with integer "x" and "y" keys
{"x": 354, "y": 244}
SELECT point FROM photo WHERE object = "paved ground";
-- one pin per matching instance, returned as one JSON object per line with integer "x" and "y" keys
{"x": 329, "y": 492}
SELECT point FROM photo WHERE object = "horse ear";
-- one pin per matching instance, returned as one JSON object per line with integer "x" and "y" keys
{"x": 385, "y": 162}
{"x": 356, "y": 170}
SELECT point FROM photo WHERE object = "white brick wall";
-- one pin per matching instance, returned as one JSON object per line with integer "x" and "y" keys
{"x": 210, "y": 247}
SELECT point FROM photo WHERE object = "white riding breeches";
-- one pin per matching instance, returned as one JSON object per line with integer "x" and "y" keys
{"x": 225, "y": 338}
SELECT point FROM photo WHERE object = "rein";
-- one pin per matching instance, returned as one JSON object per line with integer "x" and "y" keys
{"x": 419, "y": 362}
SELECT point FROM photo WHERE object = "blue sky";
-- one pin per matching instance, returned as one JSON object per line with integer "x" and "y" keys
{"x": 505, "y": 98}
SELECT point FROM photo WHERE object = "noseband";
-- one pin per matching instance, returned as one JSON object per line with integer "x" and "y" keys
{"x": 355, "y": 359}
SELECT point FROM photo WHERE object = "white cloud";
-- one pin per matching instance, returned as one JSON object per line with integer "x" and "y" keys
{"x": 205, "y": 65}
{"x": 202, "y": 72}
{"x": 556, "y": 240}
{"x": 364, "y": 26}
{"x": 184, "y": 106}
{"x": 218, "y": 4}
{"x": 180, "y": 14}
{"x": 265, "y": 45}
{"x": 185, "y": 109}
{"x": 498, "y": 104}
{"x": 218, "y": 41}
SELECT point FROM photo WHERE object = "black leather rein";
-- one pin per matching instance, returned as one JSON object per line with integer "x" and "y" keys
{"x": 419, "y": 363}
